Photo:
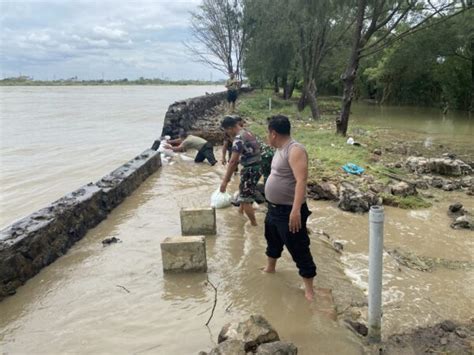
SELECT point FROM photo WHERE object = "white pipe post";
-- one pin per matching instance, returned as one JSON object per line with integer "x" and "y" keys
{"x": 376, "y": 220}
{"x": 269, "y": 104}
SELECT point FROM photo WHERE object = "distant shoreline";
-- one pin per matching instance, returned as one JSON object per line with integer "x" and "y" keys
{"x": 144, "y": 82}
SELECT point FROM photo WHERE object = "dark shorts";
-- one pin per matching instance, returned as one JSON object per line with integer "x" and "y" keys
{"x": 232, "y": 95}
{"x": 206, "y": 152}
{"x": 278, "y": 235}
{"x": 249, "y": 176}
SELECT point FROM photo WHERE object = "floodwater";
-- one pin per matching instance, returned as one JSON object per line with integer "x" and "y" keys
{"x": 116, "y": 299}
{"x": 55, "y": 139}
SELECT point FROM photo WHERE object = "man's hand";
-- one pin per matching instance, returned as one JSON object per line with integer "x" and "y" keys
{"x": 223, "y": 187}
{"x": 295, "y": 221}
{"x": 223, "y": 161}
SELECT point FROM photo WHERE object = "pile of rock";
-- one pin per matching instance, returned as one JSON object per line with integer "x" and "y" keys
{"x": 447, "y": 165}
{"x": 252, "y": 336}
{"x": 199, "y": 115}
{"x": 349, "y": 196}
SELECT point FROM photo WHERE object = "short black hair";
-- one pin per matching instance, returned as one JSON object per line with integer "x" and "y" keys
{"x": 182, "y": 133}
{"x": 280, "y": 124}
{"x": 229, "y": 122}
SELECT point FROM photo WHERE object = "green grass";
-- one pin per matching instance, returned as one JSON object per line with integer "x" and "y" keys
{"x": 327, "y": 151}
{"x": 409, "y": 202}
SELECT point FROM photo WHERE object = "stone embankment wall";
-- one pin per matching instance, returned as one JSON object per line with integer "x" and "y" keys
{"x": 199, "y": 115}
{"x": 37, "y": 240}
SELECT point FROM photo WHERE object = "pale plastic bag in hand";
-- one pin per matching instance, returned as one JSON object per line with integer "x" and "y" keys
{"x": 220, "y": 200}
{"x": 164, "y": 149}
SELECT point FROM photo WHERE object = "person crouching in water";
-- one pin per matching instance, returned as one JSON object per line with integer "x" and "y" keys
{"x": 188, "y": 141}
{"x": 245, "y": 149}
{"x": 285, "y": 191}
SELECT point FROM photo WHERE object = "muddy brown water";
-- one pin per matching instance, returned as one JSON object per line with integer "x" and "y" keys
{"x": 80, "y": 303}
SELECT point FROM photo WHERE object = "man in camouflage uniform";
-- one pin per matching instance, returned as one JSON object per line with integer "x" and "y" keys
{"x": 245, "y": 149}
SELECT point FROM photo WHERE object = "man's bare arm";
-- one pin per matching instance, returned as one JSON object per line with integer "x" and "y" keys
{"x": 298, "y": 161}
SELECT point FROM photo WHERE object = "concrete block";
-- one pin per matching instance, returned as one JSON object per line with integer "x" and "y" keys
{"x": 198, "y": 221}
{"x": 181, "y": 254}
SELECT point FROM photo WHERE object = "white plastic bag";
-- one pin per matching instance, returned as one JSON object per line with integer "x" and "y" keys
{"x": 350, "y": 141}
{"x": 164, "y": 149}
{"x": 220, "y": 200}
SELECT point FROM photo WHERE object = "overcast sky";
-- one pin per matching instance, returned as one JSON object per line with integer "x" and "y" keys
{"x": 50, "y": 39}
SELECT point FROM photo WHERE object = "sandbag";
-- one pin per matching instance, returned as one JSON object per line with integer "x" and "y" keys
{"x": 220, "y": 200}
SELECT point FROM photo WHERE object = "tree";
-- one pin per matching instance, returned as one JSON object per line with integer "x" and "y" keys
{"x": 270, "y": 52}
{"x": 375, "y": 28}
{"x": 431, "y": 67}
{"x": 219, "y": 35}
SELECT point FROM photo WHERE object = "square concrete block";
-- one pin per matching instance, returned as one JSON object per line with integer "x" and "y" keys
{"x": 181, "y": 254}
{"x": 198, "y": 221}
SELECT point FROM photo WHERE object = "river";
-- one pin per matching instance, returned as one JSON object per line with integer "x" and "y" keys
{"x": 80, "y": 133}
{"x": 76, "y": 305}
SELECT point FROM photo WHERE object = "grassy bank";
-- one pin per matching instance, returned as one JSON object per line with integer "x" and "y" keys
{"x": 327, "y": 151}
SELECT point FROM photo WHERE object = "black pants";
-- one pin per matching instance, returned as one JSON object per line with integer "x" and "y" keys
{"x": 277, "y": 234}
{"x": 206, "y": 152}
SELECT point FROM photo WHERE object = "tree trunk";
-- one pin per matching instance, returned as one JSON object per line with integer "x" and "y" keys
{"x": 276, "y": 88}
{"x": 284, "y": 83}
{"x": 312, "y": 101}
{"x": 302, "y": 101}
{"x": 291, "y": 88}
{"x": 349, "y": 76}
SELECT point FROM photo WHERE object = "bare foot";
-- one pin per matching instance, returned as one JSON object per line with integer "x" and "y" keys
{"x": 254, "y": 223}
{"x": 309, "y": 295}
{"x": 308, "y": 289}
{"x": 268, "y": 269}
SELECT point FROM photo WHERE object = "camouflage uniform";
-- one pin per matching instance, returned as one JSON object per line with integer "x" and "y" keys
{"x": 247, "y": 146}
{"x": 267, "y": 153}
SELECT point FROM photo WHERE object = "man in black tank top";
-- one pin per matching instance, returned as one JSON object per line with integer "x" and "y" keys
{"x": 285, "y": 190}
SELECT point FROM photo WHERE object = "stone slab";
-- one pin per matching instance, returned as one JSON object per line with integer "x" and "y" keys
{"x": 198, "y": 221}
{"x": 183, "y": 254}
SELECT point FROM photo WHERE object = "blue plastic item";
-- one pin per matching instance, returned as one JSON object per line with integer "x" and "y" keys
{"x": 353, "y": 169}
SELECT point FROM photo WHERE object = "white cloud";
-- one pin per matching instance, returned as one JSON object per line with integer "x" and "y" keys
{"x": 113, "y": 34}
{"x": 82, "y": 37}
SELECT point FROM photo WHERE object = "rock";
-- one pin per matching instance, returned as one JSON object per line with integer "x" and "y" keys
{"x": 455, "y": 207}
{"x": 403, "y": 189}
{"x": 463, "y": 222}
{"x": 398, "y": 165}
{"x": 443, "y": 341}
{"x": 374, "y": 158}
{"x": 377, "y": 151}
{"x": 470, "y": 192}
{"x": 359, "y": 327}
{"x": 354, "y": 200}
{"x": 277, "y": 348}
{"x": 355, "y": 314}
{"x": 448, "y": 326}
{"x": 437, "y": 182}
{"x": 409, "y": 260}
{"x": 467, "y": 181}
{"x": 442, "y": 166}
{"x": 323, "y": 191}
{"x": 229, "y": 347}
{"x": 461, "y": 332}
{"x": 253, "y": 332}
{"x": 108, "y": 241}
